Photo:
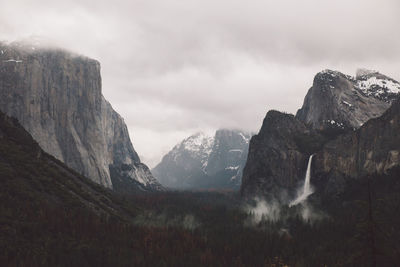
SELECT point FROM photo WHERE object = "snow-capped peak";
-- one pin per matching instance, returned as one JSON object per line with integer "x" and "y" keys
{"x": 378, "y": 85}
{"x": 199, "y": 142}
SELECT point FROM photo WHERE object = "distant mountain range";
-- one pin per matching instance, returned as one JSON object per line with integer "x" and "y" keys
{"x": 56, "y": 96}
{"x": 205, "y": 162}
{"x": 351, "y": 124}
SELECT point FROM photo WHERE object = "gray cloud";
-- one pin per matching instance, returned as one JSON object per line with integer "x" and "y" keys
{"x": 173, "y": 67}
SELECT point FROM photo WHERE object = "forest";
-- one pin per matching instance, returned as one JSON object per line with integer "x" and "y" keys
{"x": 53, "y": 216}
{"x": 207, "y": 229}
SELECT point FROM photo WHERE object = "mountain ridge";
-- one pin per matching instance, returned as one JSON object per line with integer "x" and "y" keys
{"x": 202, "y": 161}
{"x": 345, "y": 101}
{"x": 334, "y": 109}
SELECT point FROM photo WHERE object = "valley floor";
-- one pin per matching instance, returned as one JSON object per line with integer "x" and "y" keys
{"x": 205, "y": 229}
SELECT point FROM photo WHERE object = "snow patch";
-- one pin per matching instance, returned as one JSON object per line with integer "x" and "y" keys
{"x": 330, "y": 72}
{"x": 335, "y": 123}
{"x": 374, "y": 86}
{"x": 13, "y": 60}
{"x": 198, "y": 142}
{"x": 246, "y": 139}
{"x": 232, "y": 168}
{"x": 347, "y": 103}
{"x": 198, "y": 146}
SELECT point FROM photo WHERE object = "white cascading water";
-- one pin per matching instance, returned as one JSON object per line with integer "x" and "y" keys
{"x": 307, "y": 190}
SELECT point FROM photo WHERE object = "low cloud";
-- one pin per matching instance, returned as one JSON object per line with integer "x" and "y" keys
{"x": 260, "y": 210}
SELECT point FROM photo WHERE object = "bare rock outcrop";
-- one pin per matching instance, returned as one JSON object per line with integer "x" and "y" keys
{"x": 345, "y": 101}
{"x": 56, "y": 96}
{"x": 351, "y": 124}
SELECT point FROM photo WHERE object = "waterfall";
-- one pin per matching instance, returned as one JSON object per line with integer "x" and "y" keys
{"x": 307, "y": 190}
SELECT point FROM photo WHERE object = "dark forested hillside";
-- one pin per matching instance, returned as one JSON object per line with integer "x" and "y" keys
{"x": 52, "y": 216}
{"x": 31, "y": 178}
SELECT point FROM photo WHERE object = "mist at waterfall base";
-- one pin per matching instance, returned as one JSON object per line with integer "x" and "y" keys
{"x": 260, "y": 209}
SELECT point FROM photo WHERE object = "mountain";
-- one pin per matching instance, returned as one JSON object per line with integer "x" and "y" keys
{"x": 56, "y": 96}
{"x": 343, "y": 101}
{"x": 205, "y": 162}
{"x": 32, "y": 180}
{"x": 373, "y": 149}
{"x": 278, "y": 155}
{"x": 335, "y": 111}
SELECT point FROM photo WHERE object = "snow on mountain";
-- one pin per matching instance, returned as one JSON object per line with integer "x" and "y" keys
{"x": 245, "y": 138}
{"x": 197, "y": 146}
{"x": 202, "y": 161}
{"x": 378, "y": 85}
{"x": 346, "y": 102}
{"x": 199, "y": 143}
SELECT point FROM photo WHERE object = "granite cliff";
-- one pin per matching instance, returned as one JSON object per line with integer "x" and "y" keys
{"x": 373, "y": 149}
{"x": 205, "y": 162}
{"x": 56, "y": 96}
{"x": 349, "y": 123}
{"x": 345, "y": 101}
{"x": 278, "y": 156}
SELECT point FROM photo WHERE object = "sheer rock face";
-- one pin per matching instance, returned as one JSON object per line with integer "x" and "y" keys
{"x": 345, "y": 101}
{"x": 278, "y": 156}
{"x": 56, "y": 96}
{"x": 229, "y": 150}
{"x": 346, "y": 122}
{"x": 205, "y": 162}
{"x": 184, "y": 164}
{"x": 372, "y": 149}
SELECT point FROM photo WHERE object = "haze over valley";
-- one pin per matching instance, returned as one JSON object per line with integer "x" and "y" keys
{"x": 199, "y": 134}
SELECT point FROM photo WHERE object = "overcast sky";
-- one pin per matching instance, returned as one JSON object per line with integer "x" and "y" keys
{"x": 174, "y": 67}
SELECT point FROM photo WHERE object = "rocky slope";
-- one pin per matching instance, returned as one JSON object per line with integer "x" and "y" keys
{"x": 56, "y": 96}
{"x": 334, "y": 108}
{"x": 345, "y": 101}
{"x": 32, "y": 180}
{"x": 278, "y": 156}
{"x": 373, "y": 149}
{"x": 205, "y": 162}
